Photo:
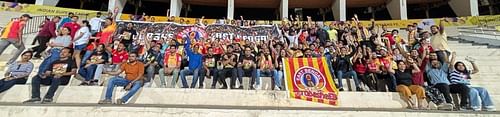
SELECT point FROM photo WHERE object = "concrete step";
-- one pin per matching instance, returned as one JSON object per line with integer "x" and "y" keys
{"x": 264, "y": 98}
{"x": 69, "y": 110}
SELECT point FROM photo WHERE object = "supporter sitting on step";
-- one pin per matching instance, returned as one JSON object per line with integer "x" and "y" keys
{"x": 58, "y": 73}
{"x": 210, "y": 66}
{"x": 194, "y": 65}
{"x": 405, "y": 86}
{"x": 61, "y": 41}
{"x": 437, "y": 74}
{"x": 344, "y": 67}
{"x": 153, "y": 62}
{"x": 88, "y": 71}
{"x": 18, "y": 72}
{"x": 133, "y": 80}
{"x": 171, "y": 66}
{"x": 479, "y": 96}
{"x": 247, "y": 67}
{"x": 229, "y": 62}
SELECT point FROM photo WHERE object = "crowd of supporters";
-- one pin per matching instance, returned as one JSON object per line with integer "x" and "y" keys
{"x": 375, "y": 58}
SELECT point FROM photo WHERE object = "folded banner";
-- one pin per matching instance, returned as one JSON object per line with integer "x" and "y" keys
{"x": 169, "y": 30}
{"x": 310, "y": 79}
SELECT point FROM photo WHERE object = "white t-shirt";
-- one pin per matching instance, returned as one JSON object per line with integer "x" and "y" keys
{"x": 85, "y": 37}
{"x": 95, "y": 24}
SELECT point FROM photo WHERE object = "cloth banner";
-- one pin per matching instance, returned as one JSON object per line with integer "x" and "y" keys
{"x": 169, "y": 30}
{"x": 310, "y": 79}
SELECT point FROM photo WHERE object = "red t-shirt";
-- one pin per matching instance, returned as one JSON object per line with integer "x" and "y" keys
{"x": 360, "y": 68}
{"x": 73, "y": 26}
{"x": 119, "y": 56}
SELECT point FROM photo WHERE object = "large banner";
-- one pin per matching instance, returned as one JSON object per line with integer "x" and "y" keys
{"x": 310, "y": 79}
{"x": 169, "y": 30}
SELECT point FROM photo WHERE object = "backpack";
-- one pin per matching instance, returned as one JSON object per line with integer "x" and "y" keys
{"x": 434, "y": 95}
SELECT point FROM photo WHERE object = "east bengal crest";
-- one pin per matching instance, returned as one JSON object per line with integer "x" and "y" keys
{"x": 309, "y": 78}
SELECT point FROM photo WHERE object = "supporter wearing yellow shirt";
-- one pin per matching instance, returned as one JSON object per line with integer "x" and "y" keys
{"x": 172, "y": 64}
{"x": 439, "y": 41}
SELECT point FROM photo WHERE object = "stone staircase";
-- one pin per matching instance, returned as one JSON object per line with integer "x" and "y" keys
{"x": 80, "y": 101}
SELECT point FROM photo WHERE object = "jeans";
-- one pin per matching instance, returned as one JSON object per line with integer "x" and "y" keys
{"x": 233, "y": 72}
{"x": 4, "y": 43}
{"x": 330, "y": 65}
{"x": 213, "y": 72}
{"x": 342, "y": 74}
{"x": 54, "y": 56}
{"x": 252, "y": 72}
{"x": 479, "y": 97}
{"x": 86, "y": 56}
{"x": 6, "y": 85}
{"x": 53, "y": 82}
{"x": 185, "y": 72}
{"x": 278, "y": 76}
{"x": 268, "y": 73}
{"x": 384, "y": 79}
{"x": 175, "y": 77}
{"x": 88, "y": 72}
{"x": 120, "y": 81}
{"x": 150, "y": 73}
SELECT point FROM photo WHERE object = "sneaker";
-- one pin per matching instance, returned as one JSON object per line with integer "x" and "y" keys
{"x": 251, "y": 88}
{"x": 489, "y": 108}
{"x": 241, "y": 87}
{"x": 445, "y": 106}
{"x": 120, "y": 101}
{"x": 359, "y": 89}
{"x": 47, "y": 100}
{"x": 33, "y": 101}
{"x": 83, "y": 84}
{"x": 223, "y": 87}
{"x": 277, "y": 88}
{"x": 104, "y": 102}
{"x": 212, "y": 87}
{"x": 200, "y": 87}
{"x": 341, "y": 89}
{"x": 258, "y": 87}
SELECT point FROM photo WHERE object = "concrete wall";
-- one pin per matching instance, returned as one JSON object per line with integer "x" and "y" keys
{"x": 107, "y": 111}
{"x": 91, "y": 94}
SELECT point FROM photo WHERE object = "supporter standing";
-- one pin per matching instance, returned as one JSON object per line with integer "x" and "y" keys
{"x": 81, "y": 40}
{"x": 439, "y": 40}
{"x": 65, "y": 20}
{"x": 73, "y": 26}
{"x": 13, "y": 34}
{"x": 95, "y": 23}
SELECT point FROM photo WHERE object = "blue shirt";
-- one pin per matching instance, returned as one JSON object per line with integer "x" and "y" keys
{"x": 63, "y": 21}
{"x": 195, "y": 59}
{"x": 438, "y": 75}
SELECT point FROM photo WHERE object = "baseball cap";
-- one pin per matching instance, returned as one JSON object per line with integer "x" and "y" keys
{"x": 26, "y": 15}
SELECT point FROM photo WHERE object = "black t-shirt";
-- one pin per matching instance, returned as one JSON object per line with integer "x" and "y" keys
{"x": 403, "y": 78}
{"x": 343, "y": 63}
{"x": 62, "y": 66}
{"x": 95, "y": 56}
{"x": 246, "y": 60}
{"x": 211, "y": 61}
{"x": 235, "y": 59}
{"x": 128, "y": 38}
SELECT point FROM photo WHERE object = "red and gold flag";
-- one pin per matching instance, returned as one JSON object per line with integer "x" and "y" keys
{"x": 310, "y": 79}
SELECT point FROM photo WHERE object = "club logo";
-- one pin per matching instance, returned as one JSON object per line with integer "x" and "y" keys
{"x": 309, "y": 78}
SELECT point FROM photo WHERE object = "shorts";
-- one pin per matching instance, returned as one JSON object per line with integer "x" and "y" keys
{"x": 80, "y": 47}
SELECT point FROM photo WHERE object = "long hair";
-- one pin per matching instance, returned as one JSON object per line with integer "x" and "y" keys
{"x": 86, "y": 22}
{"x": 465, "y": 71}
